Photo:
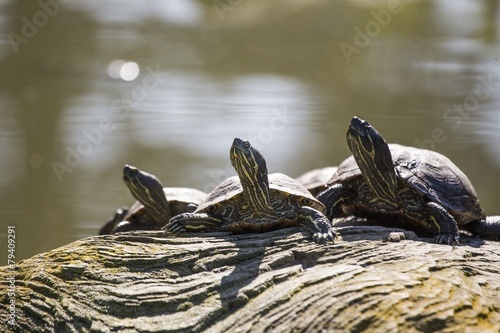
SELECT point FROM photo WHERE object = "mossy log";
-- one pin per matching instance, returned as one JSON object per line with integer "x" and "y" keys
{"x": 372, "y": 279}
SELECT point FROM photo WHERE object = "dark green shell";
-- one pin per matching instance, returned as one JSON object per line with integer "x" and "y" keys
{"x": 228, "y": 197}
{"x": 431, "y": 175}
{"x": 314, "y": 180}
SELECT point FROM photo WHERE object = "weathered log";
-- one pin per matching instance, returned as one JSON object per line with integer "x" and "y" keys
{"x": 372, "y": 279}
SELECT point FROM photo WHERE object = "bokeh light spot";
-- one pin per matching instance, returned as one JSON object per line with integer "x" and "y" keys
{"x": 125, "y": 70}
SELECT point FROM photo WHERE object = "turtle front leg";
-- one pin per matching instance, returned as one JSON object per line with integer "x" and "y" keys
{"x": 436, "y": 218}
{"x": 488, "y": 228}
{"x": 317, "y": 223}
{"x": 334, "y": 198}
{"x": 193, "y": 222}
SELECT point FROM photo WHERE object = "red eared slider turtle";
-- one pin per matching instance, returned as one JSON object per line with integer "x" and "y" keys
{"x": 314, "y": 180}
{"x": 255, "y": 202}
{"x": 155, "y": 204}
{"x": 394, "y": 182}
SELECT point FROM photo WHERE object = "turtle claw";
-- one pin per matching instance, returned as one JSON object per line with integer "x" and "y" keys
{"x": 317, "y": 223}
{"x": 174, "y": 226}
{"x": 323, "y": 237}
{"x": 446, "y": 239}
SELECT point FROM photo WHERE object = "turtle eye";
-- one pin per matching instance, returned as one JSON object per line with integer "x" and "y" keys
{"x": 307, "y": 202}
{"x": 246, "y": 144}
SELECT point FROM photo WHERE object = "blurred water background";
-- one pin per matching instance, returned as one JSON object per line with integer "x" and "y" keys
{"x": 86, "y": 87}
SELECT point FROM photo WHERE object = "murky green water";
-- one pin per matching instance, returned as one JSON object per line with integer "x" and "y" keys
{"x": 286, "y": 75}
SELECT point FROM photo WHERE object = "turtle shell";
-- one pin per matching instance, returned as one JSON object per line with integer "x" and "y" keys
{"x": 431, "y": 175}
{"x": 181, "y": 200}
{"x": 314, "y": 180}
{"x": 281, "y": 187}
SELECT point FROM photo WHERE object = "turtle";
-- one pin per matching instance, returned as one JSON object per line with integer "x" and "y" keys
{"x": 314, "y": 180}
{"x": 109, "y": 226}
{"x": 255, "y": 201}
{"x": 401, "y": 184}
{"x": 155, "y": 204}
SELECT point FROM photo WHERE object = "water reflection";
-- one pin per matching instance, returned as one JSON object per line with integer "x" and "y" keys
{"x": 38, "y": 79}
{"x": 184, "y": 13}
{"x": 253, "y": 106}
{"x": 276, "y": 77}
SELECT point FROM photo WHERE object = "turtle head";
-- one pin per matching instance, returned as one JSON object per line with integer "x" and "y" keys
{"x": 248, "y": 162}
{"x": 363, "y": 139}
{"x": 251, "y": 168}
{"x": 148, "y": 190}
{"x": 374, "y": 158}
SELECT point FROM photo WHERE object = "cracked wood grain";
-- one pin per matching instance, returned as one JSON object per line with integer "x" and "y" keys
{"x": 373, "y": 279}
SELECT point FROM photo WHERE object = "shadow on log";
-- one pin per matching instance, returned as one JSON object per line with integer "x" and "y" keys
{"x": 372, "y": 279}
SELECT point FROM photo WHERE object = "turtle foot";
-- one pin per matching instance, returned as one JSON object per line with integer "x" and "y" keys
{"x": 174, "y": 226}
{"x": 446, "y": 239}
{"x": 317, "y": 223}
{"x": 324, "y": 237}
{"x": 193, "y": 222}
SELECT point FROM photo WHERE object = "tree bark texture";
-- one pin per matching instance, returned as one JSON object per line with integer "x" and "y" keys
{"x": 372, "y": 279}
